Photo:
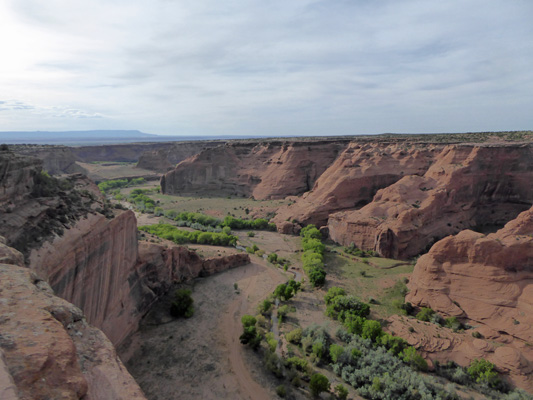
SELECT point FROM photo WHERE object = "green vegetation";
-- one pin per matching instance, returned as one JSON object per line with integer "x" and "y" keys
{"x": 318, "y": 384}
{"x": 106, "y": 186}
{"x": 482, "y": 371}
{"x": 182, "y": 306}
{"x": 250, "y": 336}
{"x": 313, "y": 255}
{"x": 170, "y": 232}
{"x": 286, "y": 291}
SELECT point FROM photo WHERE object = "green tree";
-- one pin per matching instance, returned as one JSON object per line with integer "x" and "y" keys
{"x": 482, "y": 371}
{"x": 318, "y": 384}
{"x": 335, "y": 351}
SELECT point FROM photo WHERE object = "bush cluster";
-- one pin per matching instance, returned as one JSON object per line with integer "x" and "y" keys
{"x": 313, "y": 255}
{"x": 106, "y": 186}
{"x": 170, "y": 232}
{"x": 187, "y": 218}
{"x": 182, "y": 306}
{"x": 353, "y": 250}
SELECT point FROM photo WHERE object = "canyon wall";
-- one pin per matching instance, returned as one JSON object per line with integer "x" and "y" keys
{"x": 47, "y": 349}
{"x": 264, "y": 170}
{"x": 355, "y": 176}
{"x": 467, "y": 186}
{"x": 487, "y": 280}
{"x": 56, "y": 159}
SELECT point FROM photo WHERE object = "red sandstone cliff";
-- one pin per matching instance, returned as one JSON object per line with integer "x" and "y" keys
{"x": 269, "y": 170}
{"x": 47, "y": 348}
{"x": 353, "y": 179}
{"x": 467, "y": 186}
{"x": 488, "y": 280}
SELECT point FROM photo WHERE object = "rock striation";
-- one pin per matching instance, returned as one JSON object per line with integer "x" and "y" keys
{"x": 265, "y": 170}
{"x": 467, "y": 186}
{"x": 487, "y": 280}
{"x": 48, "y": 351}
{"x": 355, "y": 176}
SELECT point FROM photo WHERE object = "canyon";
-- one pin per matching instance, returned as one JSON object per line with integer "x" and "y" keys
{"x": 78, "y": 271}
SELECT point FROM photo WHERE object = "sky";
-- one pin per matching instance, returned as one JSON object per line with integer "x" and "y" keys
{"x": 279, "y": 68}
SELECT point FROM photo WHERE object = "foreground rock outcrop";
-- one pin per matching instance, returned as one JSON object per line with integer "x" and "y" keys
{"x": 266, "y": 170}
{"x": 467, "y": 186}
{"x": 49, "y": 351}
{"x": 488, "y": 281}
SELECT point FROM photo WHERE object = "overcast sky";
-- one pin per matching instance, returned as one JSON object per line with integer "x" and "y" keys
{"x": 297, "y": 67}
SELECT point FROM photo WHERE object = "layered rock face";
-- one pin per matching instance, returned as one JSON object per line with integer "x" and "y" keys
{"x": 166, "y": 158}
{"x": 467, "y": 186}
{"x": 48, "y": 351}
{"x": 56, "y": 159}
{"x": 17, "y": 177}
{"x": 353, "y": 179}
{"x": 269, "y": 170}
{"x": 487, "y": 279}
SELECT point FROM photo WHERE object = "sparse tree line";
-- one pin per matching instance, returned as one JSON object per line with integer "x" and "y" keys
{"x": 178, "y": 236}
{"x": 189, "y": 218}
{"x": 313, "y": 255}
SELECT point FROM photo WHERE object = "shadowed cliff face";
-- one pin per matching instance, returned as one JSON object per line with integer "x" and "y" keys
{"x": 487, "y": 279}
{"x": 47, "y": 348}
{"x": 466, "y": 187}
{"x": 270, "y": 170}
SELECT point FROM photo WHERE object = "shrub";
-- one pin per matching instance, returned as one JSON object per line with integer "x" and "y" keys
{"x": 294, "y": 336}
{"x": 318, "y": 384}
{"x": 248, "y": 320}
{"x": 281, "y": 391}
{"x": 341, "y": 392}
{"x": 265, "y": 306}
{"x": 332, "y": 293}
{"x": 335, "y": 351}
{"x": 371, "y": 330}
{"x": 182, "y": 306}
{"x": 453, "y": 323}
{"x": 300, "y": 364}
{"x": 425, "y": 314}
{"x": 250, "y": 234}
{"x": 272, "y": 258}
{"x": 412, "y": 357}
{"x": 482, "y": 371}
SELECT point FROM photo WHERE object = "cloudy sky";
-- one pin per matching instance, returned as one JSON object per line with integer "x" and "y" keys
{"x": 238, "y": 67}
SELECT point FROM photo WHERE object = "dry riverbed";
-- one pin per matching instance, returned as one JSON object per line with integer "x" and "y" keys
{"x": 201, "y": 357}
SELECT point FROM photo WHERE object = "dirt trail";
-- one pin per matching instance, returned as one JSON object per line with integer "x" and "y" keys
{"x": 202, "y": 357}
{"x": 231, "y": 328}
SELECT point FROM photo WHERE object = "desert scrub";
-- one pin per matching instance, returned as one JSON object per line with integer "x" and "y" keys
{"x": 182, "y": 306}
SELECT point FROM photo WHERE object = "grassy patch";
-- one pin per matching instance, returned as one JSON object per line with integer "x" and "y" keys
{"x": 378, "y": 279}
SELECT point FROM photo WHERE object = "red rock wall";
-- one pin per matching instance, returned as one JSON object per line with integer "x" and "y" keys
{"x": 269, "y": 170}
{"x": 353, "y": 179}
{"x": 488, "y": 280}
{"x": 91, "y": 266}
{"x": 49, "y": 351}
{"x": 467, "y": 186}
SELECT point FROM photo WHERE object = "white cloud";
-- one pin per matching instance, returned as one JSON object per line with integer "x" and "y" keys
{"x": 244, "y": 67}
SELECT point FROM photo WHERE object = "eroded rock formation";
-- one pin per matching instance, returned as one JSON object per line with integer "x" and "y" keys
{"x": 267, "y": 170}
{"x": 355, "y": 176}
{"x": 488, "y": 280}
{"x": 468, "y": 186}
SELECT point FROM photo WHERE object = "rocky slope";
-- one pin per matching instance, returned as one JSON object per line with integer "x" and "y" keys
{"x": 264, "y": 170}
{"x": 467, "y": 186}
{"x": 488, "y": 280}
